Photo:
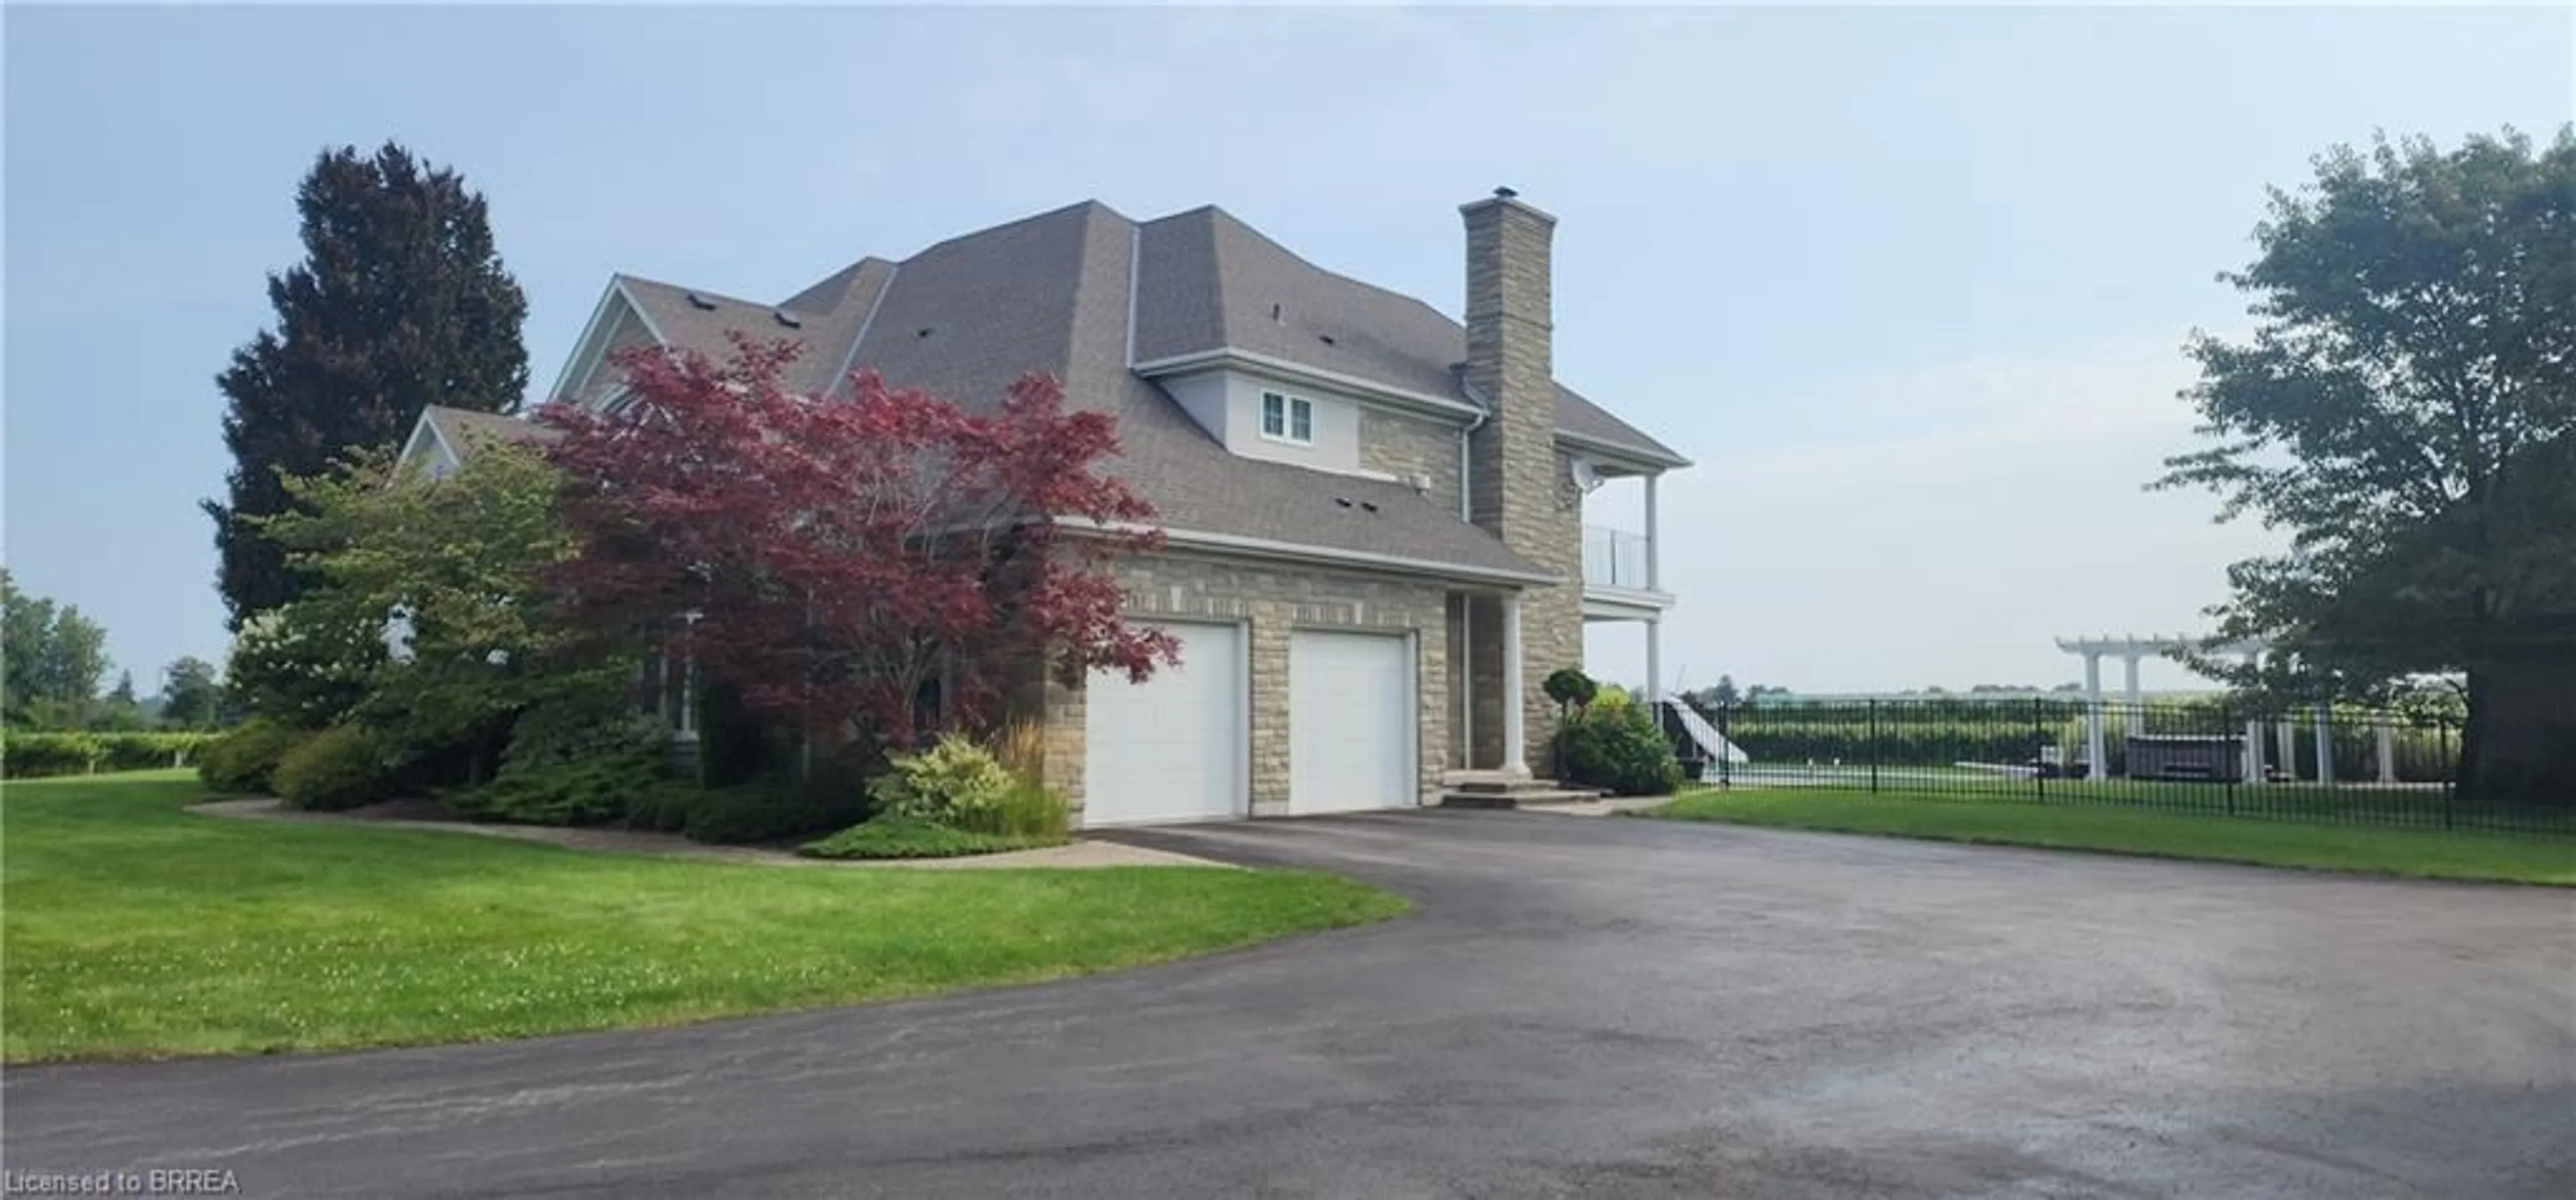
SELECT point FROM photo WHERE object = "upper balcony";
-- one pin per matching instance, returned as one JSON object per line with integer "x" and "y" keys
{"x": 1620, "y": 579}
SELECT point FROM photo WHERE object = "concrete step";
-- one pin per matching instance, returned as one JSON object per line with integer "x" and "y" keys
{"x": 1531, "y": 791}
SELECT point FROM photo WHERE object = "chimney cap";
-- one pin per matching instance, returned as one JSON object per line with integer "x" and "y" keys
{"x": 1504, "y": 193}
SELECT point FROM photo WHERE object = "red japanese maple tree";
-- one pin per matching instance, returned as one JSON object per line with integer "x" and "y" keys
{"x": 838, "y": 553}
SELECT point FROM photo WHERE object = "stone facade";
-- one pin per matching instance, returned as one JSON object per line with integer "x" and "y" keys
{"x": 1518, "y": 478}
{"x": 1405, "y": 446}
{"x": 1270, "y": 600}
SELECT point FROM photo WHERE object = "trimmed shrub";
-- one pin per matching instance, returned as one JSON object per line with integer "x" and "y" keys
{"x": 564, "y": 766}
{"x": 955, "y": 783}
{"x": 27, "y": 755}
{"x": 1570, "y": 687}
{"x": 1614, "y": 745}
{"x": 246, "y": 759}
{"x": 662, "y": 808}
{"x": 903, "y": 837}
{"x": 752, "y": 813}
{"x": 341, "y": 767}
{"x": 153, "y": 751}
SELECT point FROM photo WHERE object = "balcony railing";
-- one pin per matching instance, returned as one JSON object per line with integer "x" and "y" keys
{"x": 1614, "y": 558}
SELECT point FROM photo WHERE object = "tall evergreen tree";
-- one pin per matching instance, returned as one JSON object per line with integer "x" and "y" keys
{"x": 401, "y": 301}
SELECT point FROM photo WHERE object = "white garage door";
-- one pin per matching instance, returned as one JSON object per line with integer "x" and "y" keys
{"x": 1351, "y": 717}
{"x": 1170, "y": 748}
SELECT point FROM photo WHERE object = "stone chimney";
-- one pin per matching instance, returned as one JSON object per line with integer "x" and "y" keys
{"x": 1517, "y": 478}
{"x": 1510, "y": 362}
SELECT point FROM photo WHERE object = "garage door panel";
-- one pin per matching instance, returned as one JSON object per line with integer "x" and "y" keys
{"x": 1170, "y": 748}
{"x": 1351, "y": 722}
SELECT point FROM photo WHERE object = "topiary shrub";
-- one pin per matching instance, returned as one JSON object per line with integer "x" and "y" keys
{"x": 245, "y": 760}
{"x": 1570, "y": 688}
{"x": 341, "y": 767}
{"x": 955, "y": 783}
{"x": 1616, "y": 746}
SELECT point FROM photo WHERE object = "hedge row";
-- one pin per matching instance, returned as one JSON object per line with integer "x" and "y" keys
{"x": 30, "y": 755}
{"x": 2013, "y": 733}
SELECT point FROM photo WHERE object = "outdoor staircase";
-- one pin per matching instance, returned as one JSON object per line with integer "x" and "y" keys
{"x": 1499, "y": 789}
{"x": 1696, "y": 742}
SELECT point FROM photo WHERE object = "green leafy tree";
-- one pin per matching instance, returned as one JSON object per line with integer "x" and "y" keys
{"x": 26, "y": 623}
{"x": 452, "y": 575}
{"x": 2406, "y": 408}
{"x": 1725, "y": 694}
{"x": 53, "y": 656}
{"x": 303, "y": 666}
{"x": 192, "y": 697}
{"x": 401, "y": 302}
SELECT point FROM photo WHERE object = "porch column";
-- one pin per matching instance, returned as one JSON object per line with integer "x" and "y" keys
{"x": 1464, "y": 653}
{"x": 2097, "y": 763}
{"x": 2325, "y": 743}
{"x": 2387, "y": 749}
{"x": 1654, "y": 568}
{"x": 1515, "y": 714}
{"x": 2285, "y": 738}
{"x": 1654, "y": 654}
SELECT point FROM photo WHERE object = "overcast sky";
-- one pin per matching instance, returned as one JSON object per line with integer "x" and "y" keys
{"x": 1908, "y": 285}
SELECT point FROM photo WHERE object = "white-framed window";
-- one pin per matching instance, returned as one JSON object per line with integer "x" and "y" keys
{"x": 1286, "y": 418}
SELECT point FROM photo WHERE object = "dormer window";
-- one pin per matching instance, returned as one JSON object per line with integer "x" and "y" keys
{"x": 1286, "y": 418}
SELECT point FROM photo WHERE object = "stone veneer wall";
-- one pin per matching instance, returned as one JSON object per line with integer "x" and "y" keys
{"x": 1272, "y": 600}
{"x": 1405, "y": 446}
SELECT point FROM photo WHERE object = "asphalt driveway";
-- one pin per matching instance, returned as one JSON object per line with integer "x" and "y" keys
{"x": 1579, "y": 1007}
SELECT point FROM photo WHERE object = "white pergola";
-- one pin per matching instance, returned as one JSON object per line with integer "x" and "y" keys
{"x": 2131, "y": 648}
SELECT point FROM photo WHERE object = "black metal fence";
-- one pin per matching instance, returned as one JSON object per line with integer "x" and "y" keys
{"x": 2342, "y": 764}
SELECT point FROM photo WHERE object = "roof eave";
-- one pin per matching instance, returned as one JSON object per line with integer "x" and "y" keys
{"x": 1635, "y": 457}
{"x": 1266, "y": 548}
{"x": 1367, "y": 389}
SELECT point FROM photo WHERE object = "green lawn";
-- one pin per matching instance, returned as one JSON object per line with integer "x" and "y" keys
{"x": 134, "y": 928}
{"x": 2431, "y": 854}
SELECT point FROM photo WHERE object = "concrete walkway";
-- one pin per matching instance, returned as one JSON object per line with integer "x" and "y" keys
{"x": 403, "y": 814}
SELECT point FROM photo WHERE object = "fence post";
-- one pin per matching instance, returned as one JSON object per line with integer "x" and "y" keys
{"x": 1873, "y": 745}
{"x": 2039, "y": 746}
{"x": 2450, "y": 772}
{"x": 1725, "y": 749}
{"x": 2227, "y": 720}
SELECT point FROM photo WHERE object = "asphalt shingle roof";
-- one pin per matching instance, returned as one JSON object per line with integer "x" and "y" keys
{"x": 466, "y": 429}
{"x": 1058, "y": 292}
